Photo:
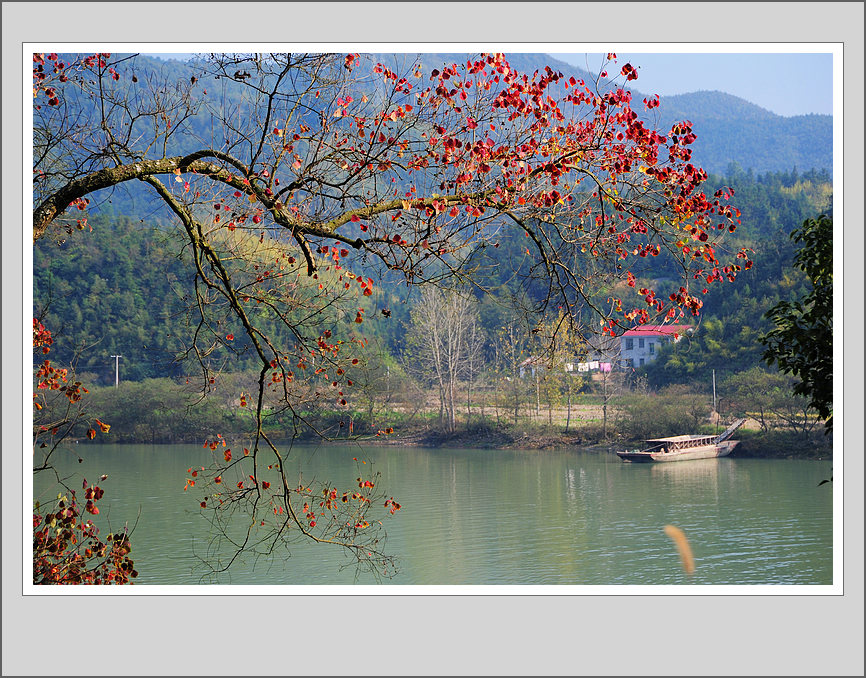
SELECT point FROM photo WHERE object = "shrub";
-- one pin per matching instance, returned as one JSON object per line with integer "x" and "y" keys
{"x": 641, "y": 417}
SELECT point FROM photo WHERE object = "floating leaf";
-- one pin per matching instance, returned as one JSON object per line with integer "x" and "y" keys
{"x": 682, "y": 544}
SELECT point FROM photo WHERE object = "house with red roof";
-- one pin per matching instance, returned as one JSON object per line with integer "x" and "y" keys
{"x": 634, "y": 348}
{"x": 640, "y": 346}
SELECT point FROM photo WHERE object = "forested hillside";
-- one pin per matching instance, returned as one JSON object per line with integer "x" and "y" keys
{"x": 129, "y": 287}
{"x": 733, "y": 319}
{"x": 729, "y": 129}
{"x": 123, "y": 290}
{"x": 118, "y": 290}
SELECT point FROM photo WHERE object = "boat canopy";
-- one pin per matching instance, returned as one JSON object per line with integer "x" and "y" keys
{"x": 692, "y": 440}
{"x": 682, "y": 439}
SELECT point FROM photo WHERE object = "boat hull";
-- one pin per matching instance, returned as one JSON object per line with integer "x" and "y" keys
{"x": 722, "y": 449}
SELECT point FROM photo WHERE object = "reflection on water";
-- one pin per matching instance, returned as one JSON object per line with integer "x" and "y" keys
{"x": 696, "y": 471}
{"x": 511, "y": 517}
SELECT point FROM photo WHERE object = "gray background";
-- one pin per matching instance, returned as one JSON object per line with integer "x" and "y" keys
{"x": 154, "y": 634}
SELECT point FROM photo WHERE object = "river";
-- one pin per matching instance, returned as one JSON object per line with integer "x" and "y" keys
{"x": 482, "y": 517}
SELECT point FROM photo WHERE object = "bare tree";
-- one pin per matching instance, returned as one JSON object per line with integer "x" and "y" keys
{"x": 443, "y": 340}
{"x": 474, "y": 362}
{"x": 509, "y": 352}
{"x": 611, "y": 385}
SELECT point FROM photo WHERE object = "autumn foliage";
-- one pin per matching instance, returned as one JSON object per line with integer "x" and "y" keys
{"x": 67, "y": 545}
{"x": 332, "y": 171}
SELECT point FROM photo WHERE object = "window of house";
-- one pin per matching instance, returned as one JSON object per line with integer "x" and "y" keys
{"x": 629, "y": 362}
{"x": 652, "y": 348}
{"x": 640, "y": 343}
{"x": 641, "y": 363}
{"x": 629, "y": 344}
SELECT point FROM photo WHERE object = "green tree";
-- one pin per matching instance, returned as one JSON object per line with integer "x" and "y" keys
{"x": 769, "y": 398}
{"x": 644, "y": 416}
{"x": 801, "y": 342}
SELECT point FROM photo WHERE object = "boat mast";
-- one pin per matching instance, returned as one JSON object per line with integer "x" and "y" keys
{"x": 714, "y": 402}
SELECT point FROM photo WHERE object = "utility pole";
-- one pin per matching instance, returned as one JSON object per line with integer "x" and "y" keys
{"x": 714, "y": 401}
{"x": 714, "y": 390}
{"x": 116, "y": 369}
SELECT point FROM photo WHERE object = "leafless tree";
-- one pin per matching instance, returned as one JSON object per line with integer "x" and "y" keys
{"x": 443, "y": 340}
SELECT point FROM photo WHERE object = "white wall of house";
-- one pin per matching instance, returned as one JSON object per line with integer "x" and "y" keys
{"x": 637, "y": 351}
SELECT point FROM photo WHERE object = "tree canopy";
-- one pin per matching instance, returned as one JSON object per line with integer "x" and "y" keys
{"x": 801, "y": 342}
{"x": 319, "y": 174}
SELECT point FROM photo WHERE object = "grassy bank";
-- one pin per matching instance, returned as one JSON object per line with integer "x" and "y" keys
{"x": 160, "y": 411}
{"x": 489, "y": 435}
{"x": 783, "y": 445}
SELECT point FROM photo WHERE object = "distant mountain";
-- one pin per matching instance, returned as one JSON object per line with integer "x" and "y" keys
{"x": 714, "y": 105}
{"x": 731, "y": 130}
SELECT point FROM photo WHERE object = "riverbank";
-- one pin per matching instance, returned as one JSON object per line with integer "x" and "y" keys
{"x": 482, "y": 438}
{"x": 753, "y": 444}
{"x": 784, "y": 445}
{"x": 158, "y": 412}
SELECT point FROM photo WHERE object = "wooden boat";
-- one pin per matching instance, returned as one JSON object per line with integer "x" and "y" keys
{"x": 685, "y": 447}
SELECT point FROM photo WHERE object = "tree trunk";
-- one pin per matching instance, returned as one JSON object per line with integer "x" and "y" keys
{"x": 604, "y": 419}
{"x": 537, "y": 394}
{"x": 451, "y": 424}
{"x": 568, "y": 410}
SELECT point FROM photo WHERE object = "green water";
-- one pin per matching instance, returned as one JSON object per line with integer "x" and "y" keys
{"x": 505, "y": 517}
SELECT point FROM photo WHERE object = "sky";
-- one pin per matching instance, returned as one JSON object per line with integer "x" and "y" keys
{"x": 786, "y": 84}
